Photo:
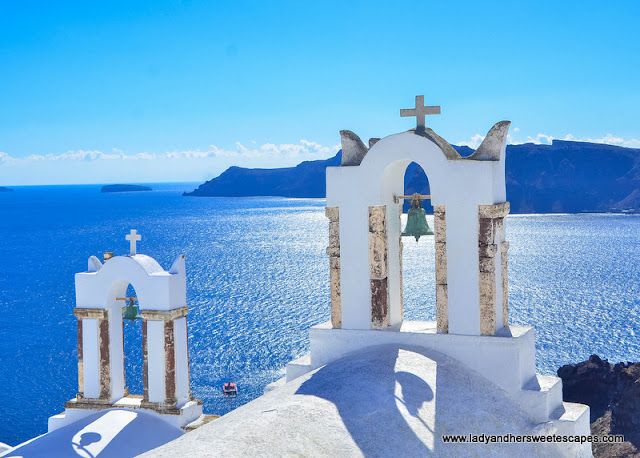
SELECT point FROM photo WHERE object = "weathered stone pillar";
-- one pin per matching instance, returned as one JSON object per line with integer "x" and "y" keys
{"x": 169, "y": 365}
{"x": 401, "y": 249}
{"x": 159, "y": 358}
{"x": 492, "y": 267}
{"x": 94, "y": 370}
{"x": 80, "y": 394}
{"x": 440, "y": 237}
{"x": 334, "y": 265}
{"x": 378, "y": 267}
{"x": 145, "y": 362}
{"x": 105, "y": 361}
{"x": 504, "y": 277}
{"x": 186, "y": 331}
{"x": 124, "y": 371}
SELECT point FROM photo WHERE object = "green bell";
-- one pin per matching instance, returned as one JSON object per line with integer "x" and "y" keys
{"x": 416, "y": 220}
{"x": 132, "y": 312}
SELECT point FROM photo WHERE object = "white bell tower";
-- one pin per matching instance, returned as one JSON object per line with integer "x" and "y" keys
{"x": 163, "y": 308}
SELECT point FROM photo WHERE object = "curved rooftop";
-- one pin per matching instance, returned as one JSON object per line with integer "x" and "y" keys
{"x": 382, "y": 401}
{"x": 115, "y": 433}
{"x": 148, "y": 264}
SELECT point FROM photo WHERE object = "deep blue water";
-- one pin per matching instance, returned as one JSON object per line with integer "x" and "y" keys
{"x": 258, "y": 279}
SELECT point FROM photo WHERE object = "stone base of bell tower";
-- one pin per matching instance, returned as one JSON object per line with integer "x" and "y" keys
{"x": 187, "y": 416}
{"x": 506, "y": 359}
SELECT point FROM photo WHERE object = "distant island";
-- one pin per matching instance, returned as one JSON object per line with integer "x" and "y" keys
{"x": 564, "y": 177}
{"x": 3, "y": 189}
{"x": 124, "y": 188}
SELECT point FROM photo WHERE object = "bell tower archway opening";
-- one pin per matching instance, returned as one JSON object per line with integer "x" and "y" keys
{"x": 418, "y": 258}
{"x": 132, "y": 350}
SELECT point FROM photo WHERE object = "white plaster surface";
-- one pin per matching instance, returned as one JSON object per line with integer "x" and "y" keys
{"x": 116, "y": 433}
{"x": 155, "y": 350}
{"x": 461, "y": 185}
{"x": 382, "y": 401}
{"x": 182, "y": 361}
{"x": 116, "y": 353}
{"x": 91, "y": 357}
{"x": 156, "y": 288}
{"x": 507, "y": 360}
{"x": 189, "y": 412}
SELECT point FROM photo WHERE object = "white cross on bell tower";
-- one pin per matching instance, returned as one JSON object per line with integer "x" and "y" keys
{"x": 133, "y": 237}
{"x": 419, "y": 111}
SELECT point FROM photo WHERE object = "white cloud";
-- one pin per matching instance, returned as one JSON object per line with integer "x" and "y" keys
{"x": 474, "y": 142}
{"x": 610, "y": 140}
{"x": 304, "y": 150}
{"x": 541, "y": 139}
{"x": 5, "y": 158}
{"x": 544, "y": 139}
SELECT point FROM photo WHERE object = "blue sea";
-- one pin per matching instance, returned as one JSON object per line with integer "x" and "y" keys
{"x": 258, "y": 280}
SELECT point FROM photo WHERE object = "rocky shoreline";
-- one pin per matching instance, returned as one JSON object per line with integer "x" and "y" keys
{"x": 612, "y": 391}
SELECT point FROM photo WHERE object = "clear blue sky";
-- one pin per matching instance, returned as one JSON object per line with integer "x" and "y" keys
{"x": 142, "y": 91}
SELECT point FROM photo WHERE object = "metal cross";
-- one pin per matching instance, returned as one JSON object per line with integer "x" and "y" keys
{"x": 133, "y": 237}
{"x": 419, "y": 111}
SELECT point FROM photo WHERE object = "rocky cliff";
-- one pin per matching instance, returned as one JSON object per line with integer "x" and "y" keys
{"x": 307, "y": 179}
{"x": 612, "y": 391}
{"x": 564, "y": 177}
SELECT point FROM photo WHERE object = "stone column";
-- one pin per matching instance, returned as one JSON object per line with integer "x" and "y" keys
{"x": 334, "y": 265}
{"x": 504, "y": 281}
{"x": 94, "y": 370}
{"x": 169, "y": 365}
{"x": 378, "y": 266}
{"x": 159, "y": 358}
{"x": 400, "y": 250}
{"x": 440, "y": 236}
{"x": 80, "y": 394}
{"x": 145, "y": 362}
{"x": 492, "y": 267}
{"x": 105, "y": 361}
{"x": 124, "y": 372}
{"x": 183, "y": 388}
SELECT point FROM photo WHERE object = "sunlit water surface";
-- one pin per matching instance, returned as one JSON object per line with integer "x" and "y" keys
{"x": 258, "y": 279}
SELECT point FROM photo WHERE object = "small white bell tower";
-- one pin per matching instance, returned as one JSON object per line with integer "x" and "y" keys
{"x": 163, "y": 308}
